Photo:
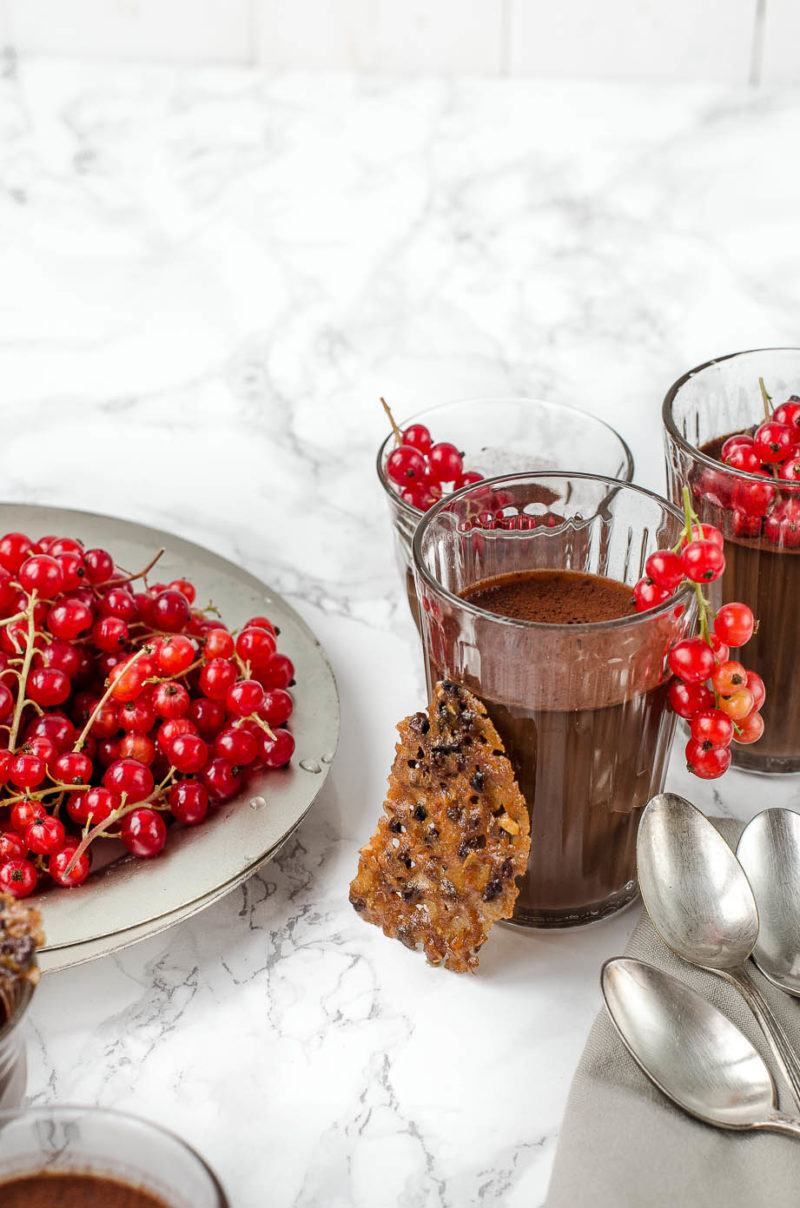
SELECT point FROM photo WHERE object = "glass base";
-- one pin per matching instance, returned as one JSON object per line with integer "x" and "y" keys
{"x": 579, "y": 916}
{"x": 747, "y": 760}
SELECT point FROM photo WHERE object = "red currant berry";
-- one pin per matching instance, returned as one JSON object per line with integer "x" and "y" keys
{"x": 773, "y": 442}
{"x": 27, "y": 771}
{"x": 73, "y": 767}
{"x": 69, "y": 619}
{"x": 745, "y": 525}
{"x": 418, "y": 437}
{"x": 186, "y": 589}
{"x": 729, "y": 677}
{"x": 73, "y": 569}
{"x": 742, "y": 440}
{"x": 665, "y": 568}
{"x": 56, "y": 727}
{"x": 782, "y": 526}
{"x": 14, "y": 549}
{"x": 218, "y": 644}
{"x": 130, "y": 777}
{"x": 170, "y": 611}
{"x": 12, "y": 846}
{"x": 734, "y": 624}
{"x": 41, "y": 574}
{"x": 276, "y": 752}
{"x": 738, "y": 705}
{"x": 136, "y": 716}
{"x": 703, "y": 561}
{"x": 647, "y": 594}
{"x": 707, "y": 763}
{"x": 97, "y": 805}
{"x": 128, "y": 680}
{"x": 277, "y": 707}
{"x": 99, "y": 566}
{"x": 188, "y": 802}
{"x": 65, "y": 870}
{"x": 749, "y": 729}
{"x": 175, "y": 655}
{"x": 170, "y": 700}
{"x": 222, "y": 779}
{"x": 756, "y": 685}
{"x": 790, "y": 470}
{"x": 135, "y": 746}
{"x": 144, "y": 833}
{"x": 238, "y": 746}
{"x": 712, "y": 726}
{"x": 61, "y": 655}
{"x": 188, "y": 753}
{"x": 721, "y": 651}
{"x": 18, "y": 877}
{"x": 467, "y": 479}
{"x": 119, "y": 602}
{"x": 106, "y": 721}
{"x": 24, "y": 812}
{"x": 48, "y": 686}
{"x": 45, "y": 835}
{"x": 445, "y": 463}
{"x": 788, "y": 413}
{"x": 405, "y": 465}
{"x": 208, "y": 716}
{"x": 216, "y": 678}
{"x": 244, "y": 697}
{"x": 754, "y": 498}
{"x": 256, "y": 647}
{"x": 744, "y": 458}
{"x": 278, "y": 673}
{"x": 6, "y": 703}
{"x": 692, "y": 660}
{"x": 261, "y": 623}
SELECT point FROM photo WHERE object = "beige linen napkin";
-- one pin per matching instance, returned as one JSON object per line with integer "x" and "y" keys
{"x": 624, "y": 1145}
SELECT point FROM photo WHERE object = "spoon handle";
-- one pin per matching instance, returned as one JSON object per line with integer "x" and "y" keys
{"x": 778, "y": 1040}
{"x": 780, "y": 1123}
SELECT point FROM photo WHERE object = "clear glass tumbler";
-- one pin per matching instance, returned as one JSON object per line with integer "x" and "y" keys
{"x": 505, "y": 436}
{"x": 762, "y": 554}
{"x": 581, "y": 708}
{"x": 70, "y": 1139}
{"x": 13, "y": 1051}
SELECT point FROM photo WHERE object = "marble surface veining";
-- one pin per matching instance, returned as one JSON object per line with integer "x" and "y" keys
{"x": 208, "y": 278}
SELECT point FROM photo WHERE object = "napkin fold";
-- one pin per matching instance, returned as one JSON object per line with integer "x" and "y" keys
{"x": 624, "y": 1145}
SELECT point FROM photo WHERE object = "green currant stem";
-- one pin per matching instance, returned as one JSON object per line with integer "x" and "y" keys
{"x": 260, "y": 722}
{"x": 398, "y": 436}
{"x": 84, "y": 734}
{"x": 101, "y": 830}
{"x": 23, "y": 675}
{"x": 767, "y": 399}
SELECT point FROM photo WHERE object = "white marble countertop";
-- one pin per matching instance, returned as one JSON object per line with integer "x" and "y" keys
{"x": 207, "y": 278}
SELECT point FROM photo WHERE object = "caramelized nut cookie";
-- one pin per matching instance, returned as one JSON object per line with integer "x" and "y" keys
{"x": 455, "y": 834}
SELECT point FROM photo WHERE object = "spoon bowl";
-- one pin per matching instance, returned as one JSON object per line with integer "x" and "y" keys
{"x": 769, "y": 852}
{"x": 694, "y": 888}
{"x": 690, "y": 1050}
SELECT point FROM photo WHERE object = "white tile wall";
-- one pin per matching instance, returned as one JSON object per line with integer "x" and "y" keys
{"x": 642, "y": 39}
{"x": 382, "y": 35}
{"x": 718, "y": 40}
{"x": 173, "y": 30}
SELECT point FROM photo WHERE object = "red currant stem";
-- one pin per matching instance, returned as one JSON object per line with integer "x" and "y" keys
{"x": 84, "y": 734}
{"x": 140, "y": 574}
{"x": 767, "y": 400}
{"x": 23, "y": 675}
{"x": 260, "y": 722}
{"x": 398, "y": 435}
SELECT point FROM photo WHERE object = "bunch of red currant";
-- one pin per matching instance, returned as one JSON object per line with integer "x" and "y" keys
{"x": 772, "y": 453}
{"x": 421, "y": 470}
{"x": 719, "y": 697}
{"x": 121, "y": 710}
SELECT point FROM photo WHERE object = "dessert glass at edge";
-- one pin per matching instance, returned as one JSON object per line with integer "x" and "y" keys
{"x": 707, "y": 404}
{"x": 581, "y": 707}
{"x": 504, "y": 436}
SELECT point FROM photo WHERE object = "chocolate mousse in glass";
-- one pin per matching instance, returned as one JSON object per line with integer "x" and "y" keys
{"x": 504, "y": 436}
{"x": 535, "y": 615}
{"x": 762, "y": 569}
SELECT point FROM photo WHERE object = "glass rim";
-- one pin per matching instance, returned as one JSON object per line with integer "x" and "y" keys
{"x": 44, "y": 1111}
{"x": 680, "y": 440}
{"x": 417, "y": 416}
{"x": 682, "y": 595}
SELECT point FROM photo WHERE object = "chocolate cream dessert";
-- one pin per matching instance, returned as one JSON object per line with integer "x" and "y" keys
{"x": 587, "y": 735}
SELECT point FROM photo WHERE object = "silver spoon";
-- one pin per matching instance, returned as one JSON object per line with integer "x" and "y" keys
{"x": 769, "y": 852}
{"x": 701, "y": 904}
{"x": 690, "y": 1050}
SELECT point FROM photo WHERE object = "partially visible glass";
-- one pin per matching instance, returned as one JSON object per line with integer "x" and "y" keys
{"x": 581, "y": 708}
{"x": 505, "y": 436}
{"x": 110, "y": 1144}
{"x": 703, "y": 407}
{"x": 13, "y": 1050}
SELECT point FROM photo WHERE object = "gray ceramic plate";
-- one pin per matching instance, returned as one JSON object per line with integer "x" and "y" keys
{"x": 132, "y": 899}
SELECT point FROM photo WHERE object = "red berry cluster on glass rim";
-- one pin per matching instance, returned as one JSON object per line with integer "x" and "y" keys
{"x": 422, "y": 471}
{"x": 719, "y": 697}
{"x": 122, "y": 710}
{"x": 771, "y": 452}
